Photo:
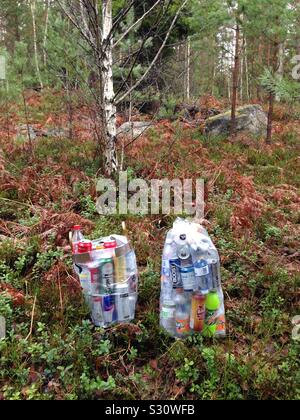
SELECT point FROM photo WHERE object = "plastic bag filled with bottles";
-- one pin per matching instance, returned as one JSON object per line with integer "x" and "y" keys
{"x": 108, "y": 275}
{"x": 192, "y": 299}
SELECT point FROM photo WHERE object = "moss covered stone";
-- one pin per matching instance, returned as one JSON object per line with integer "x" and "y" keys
{"x": 250, "y": 118}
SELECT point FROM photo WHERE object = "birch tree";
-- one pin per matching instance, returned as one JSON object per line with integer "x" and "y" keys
{"x": 98, "y": 29}
{"x": 47, "y": 12}
{"x": 35, "y": 42}
{"x": 109, "y": 107}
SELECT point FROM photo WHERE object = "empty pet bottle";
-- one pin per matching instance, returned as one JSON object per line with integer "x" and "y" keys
{"x": 203, "y": 276}
{"x": 183, "y": 250}
{"x": 182, "y": 314}
{"x": 167, "y": 315}
{"x": 77, "y": 237}
{"x": 212, "y": 305}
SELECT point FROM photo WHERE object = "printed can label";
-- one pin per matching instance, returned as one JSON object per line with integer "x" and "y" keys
{"x": 107, "y": 277}
{"x": 120, "y": 268}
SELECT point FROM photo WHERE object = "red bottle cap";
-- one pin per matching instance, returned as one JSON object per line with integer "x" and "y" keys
{"x": 76, "y": 227}
{"x": 110, "y": 244}
{"x": 84, "y": 247}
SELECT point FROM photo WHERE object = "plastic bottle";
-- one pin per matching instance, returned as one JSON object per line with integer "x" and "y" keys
{"x": 188, "y": 278}
{"x": 167, "y": 315}
{"x": 203, "y": 277}
{"x": 85, "y": 279}
{"x": 183, "y": 250}
{"x": 130, "y": 263}
{"x": 182, "y": 314}
{"x": 198, "y": 312}
{"x": 212, "y": 305}
{"x": 77, "y": 237}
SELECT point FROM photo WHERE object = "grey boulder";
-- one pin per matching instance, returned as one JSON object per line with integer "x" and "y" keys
{"x": 134, "y": 129}
{"x": 249, "y": 118}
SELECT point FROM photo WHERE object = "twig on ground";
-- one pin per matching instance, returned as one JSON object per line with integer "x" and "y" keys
{"x": 32, "y": 319}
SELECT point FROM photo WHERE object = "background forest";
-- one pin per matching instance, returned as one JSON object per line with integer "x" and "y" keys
{"x": 163, "y": 89}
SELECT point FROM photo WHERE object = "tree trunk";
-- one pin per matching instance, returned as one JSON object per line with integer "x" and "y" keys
{"x": 247, "y": 72}
{"x": 188, "y": 69}
{"x": 212, "y": 89}
{"x": 272, "y": 97}
{"x": 110, "y": 119}
{"x": 242, "y": 63}
{"x": 46, "y": 32}
{"x": 270, "y": 118}
{"x": 36, "y": 55}
{"x": 280, "y": 70}
{"x": 259, "y": 65}
{"x": 235, "y": 83}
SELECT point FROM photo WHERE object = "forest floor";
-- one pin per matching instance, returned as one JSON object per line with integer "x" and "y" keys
{"x": 252, "y": 213}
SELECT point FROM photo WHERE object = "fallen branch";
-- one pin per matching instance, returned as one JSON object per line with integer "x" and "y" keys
{"x": 32, "y": 319}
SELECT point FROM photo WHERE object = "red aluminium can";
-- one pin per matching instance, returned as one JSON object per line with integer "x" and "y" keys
{"x": 110, "y": 244}
{"x": 85, "y": 247}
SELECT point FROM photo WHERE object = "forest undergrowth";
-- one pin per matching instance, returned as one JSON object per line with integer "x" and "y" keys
{"x": 252, "y": 213}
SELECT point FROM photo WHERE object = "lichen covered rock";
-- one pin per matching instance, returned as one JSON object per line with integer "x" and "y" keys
{"x": 249, "y": 118}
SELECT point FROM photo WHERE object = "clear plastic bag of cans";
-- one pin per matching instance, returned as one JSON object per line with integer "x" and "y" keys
{"x": 108, "y": 274}
{"x": 192, "y": 299}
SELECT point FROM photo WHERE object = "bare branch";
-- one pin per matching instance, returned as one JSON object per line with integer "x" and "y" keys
{"x": 156, "y": 57}
{"x": 136, "y": 23}
{"x": 71, "y": 16}
{"x": 83, "y": 8}
{"x": 121, "y": 15}
{"x": 137, "y": 53}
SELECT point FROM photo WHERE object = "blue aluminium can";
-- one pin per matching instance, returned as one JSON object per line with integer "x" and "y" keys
{"x": 108, "y": 302}
{"x": 175, "y": 273}
{"x": 108, "y": 308}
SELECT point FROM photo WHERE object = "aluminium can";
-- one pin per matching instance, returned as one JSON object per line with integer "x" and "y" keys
{"x": 97, "y": 311}
{"x": 123, "y": 312}
{"x": 120, "y": 264}
{"x": 108, "y": 309}
{"x": 106, "y": 276}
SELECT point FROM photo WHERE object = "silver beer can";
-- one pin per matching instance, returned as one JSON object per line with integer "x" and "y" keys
{"x": 97, "y": 311}
{"x": 123, "y": 305}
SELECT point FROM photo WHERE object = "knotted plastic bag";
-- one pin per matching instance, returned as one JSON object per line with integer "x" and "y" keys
{"x": 109, "y": 280}
{"x": 192, "y": 300}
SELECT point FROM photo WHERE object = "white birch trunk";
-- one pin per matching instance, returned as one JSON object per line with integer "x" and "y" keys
{"x": 46, "y": 32}
{"x": 109, "y": 108}
{"x": 36, "y": 55}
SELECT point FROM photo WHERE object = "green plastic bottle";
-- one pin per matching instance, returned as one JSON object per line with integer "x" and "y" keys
{"x": 212, "y": 305}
